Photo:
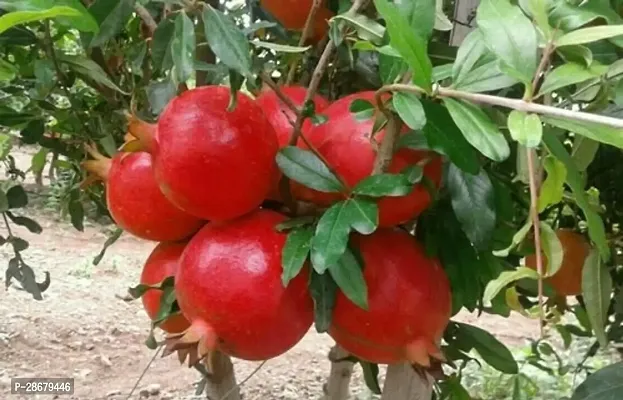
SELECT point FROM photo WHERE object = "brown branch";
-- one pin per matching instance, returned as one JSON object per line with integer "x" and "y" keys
{"x": 307, "y": 30}
{"x": 547, "y": 52}
{"x": 385, "y": 151}
{"x": 146, "y": 17}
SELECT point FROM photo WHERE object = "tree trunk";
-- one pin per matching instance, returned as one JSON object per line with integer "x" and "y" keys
{"x": 222, "y": 384}
{"x": 402, "y": 383}
{"x": 337, "y": 386}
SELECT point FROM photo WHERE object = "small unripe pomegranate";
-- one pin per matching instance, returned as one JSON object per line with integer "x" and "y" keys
{"x": 134, "y": 199}
{"x": 229, "y": 286}
{"x": 162, "y": 263}
{"x": 409, "y": 302}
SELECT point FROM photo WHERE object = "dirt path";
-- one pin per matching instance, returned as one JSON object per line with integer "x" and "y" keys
{"x": 82, "y": 330}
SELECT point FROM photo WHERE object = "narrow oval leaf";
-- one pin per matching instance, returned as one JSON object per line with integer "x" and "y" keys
{"x": 282, "y": 48}
{"x": 598, "y": 132}
{"x": 371, "y": 376}
{"x": 473, "y": 203}
{"x": 111, "y": 15}
{"x": 295, "y": 252}
{"x": 495, "y": 286}
{"x": 183, "y": 47}
{"x": 161, "y": 45}
{"x": 552, "y": 248}
{"x": 366, "y": 28}
{"x": 589, "y": 35}
{"x": 331, "y": 237}
{"x": 518, "y": 237}
{"x": 26, "y": 222}
{"x": 420, "y": 14}
{"x": 510, "y": 35}
{"x": 596, "y": 291}
{"x": 570, "y": 74}
{"x": 384, "y": 185}
{"x": 492, "y": 351}
{"x": 361, "y": 109}
{"x": 553, "y": 187}
{"x": 89, "y": 69}
{"x": 596, "y": 229}
{"x": 22, "y": 17}
{"x": 348, "y": 275}
{"x": 485, "y": 78}
{"x": 363, "y": 215}
{"x": 584, "y": 152}
{"x": 227, "y": 42}
{"x": 478, "y": 129}
{"x": 323, "y": 291}
{"x": 471, "y": 50}
{"x": 444, "y": 136}
{"x": 305, "y": 167}
{"x": 409, "y": 108}
{"x": 605, "y": 384}
{"x": 413, "y": 48}
{"x": 525, "y": 128}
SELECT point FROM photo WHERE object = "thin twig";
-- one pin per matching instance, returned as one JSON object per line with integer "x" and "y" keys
{"x": 534, "y": 212}
{"x": 245, "y": 380}
{"x": 385, "y": 151}
{"x": 140, "y": 378}
{"x": 516, "y": 104}
{"x": 307, "y": 30}
{"x": 547, "y": 52}
{"x": 146, "y": 17}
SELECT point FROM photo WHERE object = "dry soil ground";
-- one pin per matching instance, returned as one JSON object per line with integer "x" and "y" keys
{"x": 81, "y": 329}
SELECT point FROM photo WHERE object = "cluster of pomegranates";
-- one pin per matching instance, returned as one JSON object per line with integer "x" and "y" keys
{"x": 196, "y": 182}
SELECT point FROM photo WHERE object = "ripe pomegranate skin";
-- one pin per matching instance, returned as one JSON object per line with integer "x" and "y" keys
{"x": 162, "y": 263}
{"x": 409, "y": 302}
{"x": 280, "y": 116}
{"x": 135, "y": 201}
{"x": 229, "y": 286}
{"x": 345, "y": 144}
{"x": 292, "y": 14}
{"x": 212, "y": 163}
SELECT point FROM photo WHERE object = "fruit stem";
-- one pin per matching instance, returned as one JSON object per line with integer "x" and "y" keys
{"x": 140, "y": 135}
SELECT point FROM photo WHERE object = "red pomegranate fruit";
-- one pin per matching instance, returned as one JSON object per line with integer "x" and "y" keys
{"x": 162, "y": 263}
{"x": 281, "y": 118}
{"x": 409, "y": 302}
{"x": 213, "y": 163}
{"x": 134, "y": 199}
{"x": 345, "y": 143}
{"x": 229, "y": 286}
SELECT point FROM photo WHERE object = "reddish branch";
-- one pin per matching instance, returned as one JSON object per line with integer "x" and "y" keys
{"x": 307, "y": 31}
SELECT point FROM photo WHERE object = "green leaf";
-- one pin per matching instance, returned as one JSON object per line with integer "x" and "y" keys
{"x": 596, "y": 229}
{"x": 161, "y": 45}
{"x": 4, "y": 202}
{"x": 478, "y": 128}
{"x": 412, "y": 48}
{"x": 441, "y": 72}
{"x": 84, "y": 21}
{"x": 295, "y": 252}
{"x": 505, "y": 278}
{"x": 584, "y": 152}
{"x": 362, "y": 110}
{"x": 552, "y": 248}
{"x": 598, "y": 132}
{"x": 415, "y": 140}
{"x": 227, "y": 42}
{"x": 470, "y": 51}
{"x": 473, "y": 203}
{"x": 517, "y": 239}
{"x": 76, "y": 211}
{"x": 390, "y": 68}
{"x": 492, "y": 351}
{"x": 111, "y": 15}
{"x": 366, "y": 28}
{"x": 363, "y": 215}
{"x": 539, "y": 10}
{"x": 443, "y": 135}
{"x": 295, "y": 222}
{"x": 323, "y": 290}
{"x": 410, "y": 110}
{"x": 485, "y": 78}
{"x": 139, "y": 290}
{"x": 605, "y": 384}
{"x": 420, "y": 14}
{"x": 17, "y": 197}
{"x": 525, "y": 128}
{"x": 569, "y": 74}
{"x": 18, "y": 243}
{"x": 331, "y": 237}
{"x": 553, "y": 187}
{"x": 371, "y": 376}
{"x": 282, "y": 48}
{"x": 576, "y": 54}
{"x": 88, "y": 69}
{"x": 590, "y": 34}
{"x": 380, "y": 185}
{"x": 7, "y": 71}
{"x": 109, "y": 242}
{"x": 348, "y": 275}
{"x": 305, "y": 167}
{"x": 596, "y": 291}
{"x": 160, "y": 94}
{"x": 26, "y": 222}
{"x": 22, "y": 17}
{"x": 510, "y": 35}
{"x": 183, "y": 47}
